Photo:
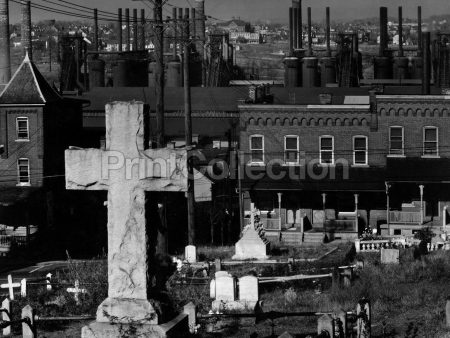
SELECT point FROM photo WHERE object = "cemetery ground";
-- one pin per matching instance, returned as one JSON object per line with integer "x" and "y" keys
{"x": 408, "y": 300}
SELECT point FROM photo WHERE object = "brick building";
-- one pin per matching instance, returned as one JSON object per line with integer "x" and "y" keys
{"x": 312, "y": 167}
{"x": 36, "y": 125}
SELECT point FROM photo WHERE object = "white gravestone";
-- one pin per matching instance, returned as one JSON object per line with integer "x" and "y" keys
{"x": 248, "y": 289}
{"x": 126, "y": 169}
{"x": 190, "y": 254}
{"x": 225, "y": 288}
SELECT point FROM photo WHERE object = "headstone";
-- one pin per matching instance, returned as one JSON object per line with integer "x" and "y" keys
{"x": 390, "y": 256}
{"x": 28, "y": 330}
{"x": 318, "y": 217}
{"x": 363, "y": 324}
{"x": 248, "y": 289}
{"x": 225, "y": 288}
{"x": 347, "y": 276}
{"x": 191, "y": 310}
{"x": 290, "y": 217}
{"x": 127, "y": 169}
{"x": 6, "y": 316}
{"x": 190, "y": 254}
{"x": 218, "y": 264}
{"x": 298, "y": 216}
{"x": 285, "y": 334}
{"x": 325, "y": 325}
{"x": 212, "y": 289}
{"x": 341, "y": 324}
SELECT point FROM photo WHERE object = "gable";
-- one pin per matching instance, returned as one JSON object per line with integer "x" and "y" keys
{"x": 28, "y": 86}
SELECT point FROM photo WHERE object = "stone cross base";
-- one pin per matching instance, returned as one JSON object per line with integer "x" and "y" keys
{"x": 109, "y": 330}
{"x": 127, "y": 311}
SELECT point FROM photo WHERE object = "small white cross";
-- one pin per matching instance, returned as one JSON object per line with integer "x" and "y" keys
{"x": 76, "y": 291}
{"x": 10, "y": 285}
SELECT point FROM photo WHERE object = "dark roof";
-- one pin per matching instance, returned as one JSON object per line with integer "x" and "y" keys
{"x": 217, "y": 99}
{"x": 28, "y": 86}
{"x": 358, "y": 179}
{"x": 213, "y": 98}
{"x": 305, "y": 96}
{"x": 418, "y": 170}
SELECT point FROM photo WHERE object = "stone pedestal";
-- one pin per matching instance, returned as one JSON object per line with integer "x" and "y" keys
{"x": 110, "y": 330}
{"x": 251, "y": 246}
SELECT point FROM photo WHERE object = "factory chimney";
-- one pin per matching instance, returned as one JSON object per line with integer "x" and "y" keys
{"x": 26, "y": 29}
{"x": 5, "y": 62}
{"x": 200, "y": 34}
{"x": 119, "y": 29}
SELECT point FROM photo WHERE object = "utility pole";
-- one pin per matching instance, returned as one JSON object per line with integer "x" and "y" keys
{"x": 159, "y": 79}
{"x": 188, "y": 132}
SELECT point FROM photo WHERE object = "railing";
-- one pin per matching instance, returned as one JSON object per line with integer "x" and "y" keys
{"x": 376, "y": 245}
{"x": 405, "y": 217}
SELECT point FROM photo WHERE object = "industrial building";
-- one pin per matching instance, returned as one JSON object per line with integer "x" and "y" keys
{"x": 366, "y": 132}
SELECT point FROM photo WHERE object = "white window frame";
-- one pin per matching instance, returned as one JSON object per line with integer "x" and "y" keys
{"x": 251, "y": 149}
{"x": 20, "y": 119}
{"x": 437, "y": 141}
{"x": 321, "y": 151}
{"x": 286, "y": 161}
{"x": 19, "y": 180}
{"x": 402, "y": 154}
{"x": 366, "y": 150}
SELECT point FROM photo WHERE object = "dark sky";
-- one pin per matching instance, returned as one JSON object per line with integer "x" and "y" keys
{"x": 272, "y": 10}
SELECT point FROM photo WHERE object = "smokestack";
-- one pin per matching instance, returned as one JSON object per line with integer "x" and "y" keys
{"x": 383, "y": 30}
{"x": 95, "y": 29}
{"x": 119, "y": 30}
{"x": 310, "y": 50}
{"x": 299, "y": 25}
{"x": 295, "y": 25}
{"x": 135, "y": 29}
{"x": 426, "y": 37}
{"x": 187, "y": 23}
{"x": 200, "y": 27}
{"x": 26, "y": 29}
{"x": 180, "y": 22}
{"x": 291, "y": 30}
{"x": 328, "y": 31}
{"x": 175, "y": 33}
{"x": 400, "y": 31}
{"x": 127, "y": 29}
{"x": 142, "y": 29}
{"x": 5, "y": 61}
{"x": 193, "y": 27}
{"x": 419, "y": 30}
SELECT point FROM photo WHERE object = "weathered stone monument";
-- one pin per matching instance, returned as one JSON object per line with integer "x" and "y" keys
{"x": 390, "y": 256}
{"x": 253, "y": 244}
{"x": 127, "y": 169}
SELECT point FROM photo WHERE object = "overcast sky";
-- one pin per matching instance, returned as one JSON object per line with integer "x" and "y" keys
{"x": 272, "y": 10}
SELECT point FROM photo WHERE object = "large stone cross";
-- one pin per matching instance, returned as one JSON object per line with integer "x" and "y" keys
{"x": 127, "y": 170}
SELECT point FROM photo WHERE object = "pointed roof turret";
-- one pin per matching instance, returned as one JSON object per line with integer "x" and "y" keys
{"x": 28, "y": 86}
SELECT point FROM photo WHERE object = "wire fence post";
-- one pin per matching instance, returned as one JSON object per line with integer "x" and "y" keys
{"x": 49, "y": 281}
{"x": 6, "y": 316}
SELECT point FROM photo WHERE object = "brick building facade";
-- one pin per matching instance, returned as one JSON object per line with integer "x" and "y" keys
{"x": 328, "y": 161}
